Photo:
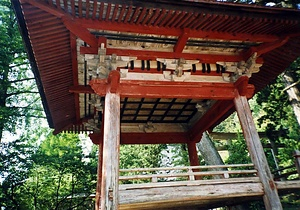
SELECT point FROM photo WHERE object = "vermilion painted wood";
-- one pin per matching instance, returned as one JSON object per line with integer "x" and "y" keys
{"x": 193, "y": 157}
{"x": 75, "y": 73}
{"x": 163, "y": 89}
{"x": 181, "y": 42}
{"x": 215, "y": 113}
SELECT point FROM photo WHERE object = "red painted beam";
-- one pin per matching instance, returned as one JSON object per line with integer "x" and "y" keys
{"x": 146, "y": 138}
{"x": 164, "y": 89}
{"x": 217, "y": 111}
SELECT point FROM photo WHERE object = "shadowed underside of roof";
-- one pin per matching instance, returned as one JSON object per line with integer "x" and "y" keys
{"x": 208, "y": 32}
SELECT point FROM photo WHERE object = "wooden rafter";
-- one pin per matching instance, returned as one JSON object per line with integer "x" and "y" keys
{"x": 81, "y": 32}
{"x": 183, "y": 38}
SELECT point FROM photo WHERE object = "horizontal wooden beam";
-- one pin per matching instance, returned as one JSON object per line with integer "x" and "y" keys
{"x": 219, "y": 109}
{"x": 146, "y": 138}
{"x": 169, "y": 89}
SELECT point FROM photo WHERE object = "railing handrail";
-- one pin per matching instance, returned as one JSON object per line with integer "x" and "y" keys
{"x": 282, "y": 169}
{"x": 186, "y": 167}
{"x": 187, "y": 172}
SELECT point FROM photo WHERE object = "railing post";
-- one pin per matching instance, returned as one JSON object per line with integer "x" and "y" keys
{"x": 297, "y": 161}
{"x": 191, "y": 175}
{"x": 154, "y": 179}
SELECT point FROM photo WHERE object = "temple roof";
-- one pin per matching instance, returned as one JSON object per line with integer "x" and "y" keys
{"x": 150, "y": 40}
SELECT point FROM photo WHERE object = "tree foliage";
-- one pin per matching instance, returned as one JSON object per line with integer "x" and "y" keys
{"x": 53, "y": 175}
{"x": 19, "y": 98}
{"x": 279, "y": 119}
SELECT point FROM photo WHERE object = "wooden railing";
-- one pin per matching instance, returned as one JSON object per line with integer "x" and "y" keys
{"x": 168, "y": 174}
{"x": 290, "y": 172}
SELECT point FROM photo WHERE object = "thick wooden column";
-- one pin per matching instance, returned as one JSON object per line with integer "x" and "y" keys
{"x": 109, "y": 199}
{"x": 271, "y": 198}
{"x": 111, "y": 146}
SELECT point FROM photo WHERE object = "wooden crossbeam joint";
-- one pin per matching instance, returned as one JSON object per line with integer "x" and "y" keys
{"x": 242, "y": 85}
{"x": 114, "y": 81}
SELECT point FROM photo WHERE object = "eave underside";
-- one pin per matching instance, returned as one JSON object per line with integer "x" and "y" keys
{"x": 189, "y": 30}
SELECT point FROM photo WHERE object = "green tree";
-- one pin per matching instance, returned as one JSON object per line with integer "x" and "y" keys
{"x": 140, "y": 156}
{"x": 15, "y": 163}
{"x": 62, "y": 177}
{"x": 19, "y": 98}
{"x": 279, "y": 116}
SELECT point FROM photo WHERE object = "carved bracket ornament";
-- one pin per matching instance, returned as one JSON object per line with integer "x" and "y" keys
{"x": 105, "y": 63}
{"x": 234, "y": 70}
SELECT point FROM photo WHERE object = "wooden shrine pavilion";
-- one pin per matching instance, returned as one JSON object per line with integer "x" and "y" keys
{"x": 158, "y": 72}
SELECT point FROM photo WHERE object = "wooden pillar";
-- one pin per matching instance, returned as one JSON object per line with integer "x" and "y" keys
{"x": 193, "y": 157}
{"x": 99, "y": 177}
{"x": 271, "y": 198}
{"x": 111, "y": 147}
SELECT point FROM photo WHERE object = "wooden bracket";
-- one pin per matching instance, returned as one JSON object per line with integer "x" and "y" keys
{"x": 103, "y": 86}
